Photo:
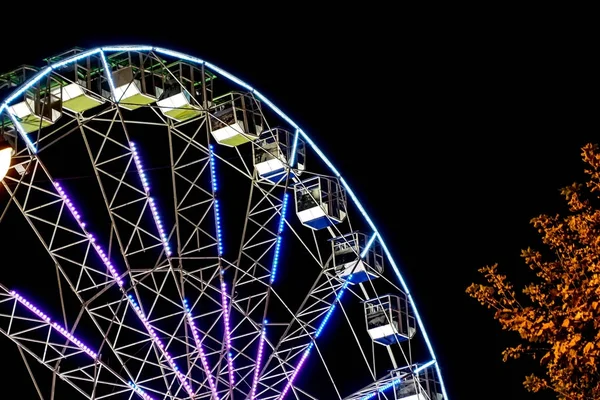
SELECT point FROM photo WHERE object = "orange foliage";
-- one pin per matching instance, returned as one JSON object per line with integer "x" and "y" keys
{"x": 557, "y": 316}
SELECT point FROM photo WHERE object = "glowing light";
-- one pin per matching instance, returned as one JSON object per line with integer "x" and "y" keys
{"x": 140, "y": 391}
{"x": 203, "y": 359}
{"x": 279, "y": 238}
{"x": 154, "y": 337}
{"x": 74, "y": 58}
{"x": 215, "y": 187}
{"x": 5, "y": 157}
{"x": 27, "y": 85}
{"x": 227, "y": 323}
{"x": 107, "y": 69}
{"x": 22, "y": 132}
{"x": 422, "y": 367}
{"x": 179, "y": 55}
{"x": 368, "y": 246}
{"x": 127, "y": 48}
{"x": 259, "y": 358}
{"x": 381, "y": 389}
{"x": 294, "y": 149}
{"x": 119, "y": 281}
{"x": 322, "y": 326}
{"x": 154, "y": 209}
{"x": 57, "y": 327}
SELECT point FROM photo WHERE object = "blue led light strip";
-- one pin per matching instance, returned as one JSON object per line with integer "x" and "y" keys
{"x": 381, "y": 389}
{"x": 213, "y": 176}
{"x": 153, "y": 207}
{"x": 294, "y": 149}
{"x": 164, "y": 240}
{"x": 224, "y": 302}
{"x": 285, "y": 117}
{"x": 22, "y": 132}
{"x": 139, "y": 391}
{"x": 306, "y": 353}
{"x": 279, "y": 238}
{"x": 368, "y": 246}
{"x": 274, "y": 265}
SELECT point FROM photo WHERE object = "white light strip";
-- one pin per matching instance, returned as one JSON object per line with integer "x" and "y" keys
{"x": 127, "y": 48}
{"x": 108, "y": 72}
{"x": 179, "y": 55}
{"x": 38, "y": 77}
{"x": 368, "y": 246}
{"x": 422, "y": 367}
{"x": 74, "y": 58}
{"x": 294, "y": 149}
{"x": 229, "y": 76}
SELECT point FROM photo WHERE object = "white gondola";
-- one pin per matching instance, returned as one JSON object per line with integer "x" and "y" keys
{"x": 320, "y": 202}
{"x": 130, "y": 91}
{"x": 36, "y": 112}
{"x": 76, "y": 98}
{"x": 278, "y": 151}
{"x": 235, "y": 119}
{"x": 179, "y": 106}
{"x": 389, "y": 319}
{"x": 179, "y": 96}
{"x": 79, "y": 83}
{"x": 423, "y": 385}
{"x": 356, "y": 257}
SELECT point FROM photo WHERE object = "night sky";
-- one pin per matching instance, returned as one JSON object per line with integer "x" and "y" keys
{"x": 453, "y": 141}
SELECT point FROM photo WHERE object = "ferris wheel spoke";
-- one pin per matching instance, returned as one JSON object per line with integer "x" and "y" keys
{"x": 200, "y": 247}
{"x": 231, "y": 303}
{"x": 59, "y": 349}
{"x": 255, "y": 273}
{"x": 298, "y": 340}
{"x": 158, "y": 288}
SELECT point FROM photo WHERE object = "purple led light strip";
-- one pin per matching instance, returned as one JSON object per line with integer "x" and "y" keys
{"x": 227, "y": 329}
{"x": 203, "y": 359}
{"x": 258, "y": 361}
{"x": 129, "y": 297}
{"x": 57, "y": 327}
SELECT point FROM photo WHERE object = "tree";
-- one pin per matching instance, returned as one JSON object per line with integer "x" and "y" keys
{"x": 557, "y": 315}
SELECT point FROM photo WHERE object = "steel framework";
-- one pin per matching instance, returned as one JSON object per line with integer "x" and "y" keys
{"x": 164, "y": 265}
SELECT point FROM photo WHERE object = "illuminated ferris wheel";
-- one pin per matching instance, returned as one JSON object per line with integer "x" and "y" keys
{"x": 180, "y": 237}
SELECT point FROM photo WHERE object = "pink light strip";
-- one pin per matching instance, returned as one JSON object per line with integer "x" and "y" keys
{"x": 211, "y": 381}
{"x": 258, "y": 361}
{"x": 226, "y": 321}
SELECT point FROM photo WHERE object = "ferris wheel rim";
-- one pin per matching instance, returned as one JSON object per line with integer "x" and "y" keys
{"x": 189, "y": 58}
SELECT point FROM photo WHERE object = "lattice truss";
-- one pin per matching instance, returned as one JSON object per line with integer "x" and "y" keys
{"x": 154, "y": 258}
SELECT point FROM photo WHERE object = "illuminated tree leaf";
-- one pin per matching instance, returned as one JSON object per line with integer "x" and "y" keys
{"x": 557, "y": 315}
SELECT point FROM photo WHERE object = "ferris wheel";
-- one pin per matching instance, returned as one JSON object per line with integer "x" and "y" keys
{"x": 180, "y": 237}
